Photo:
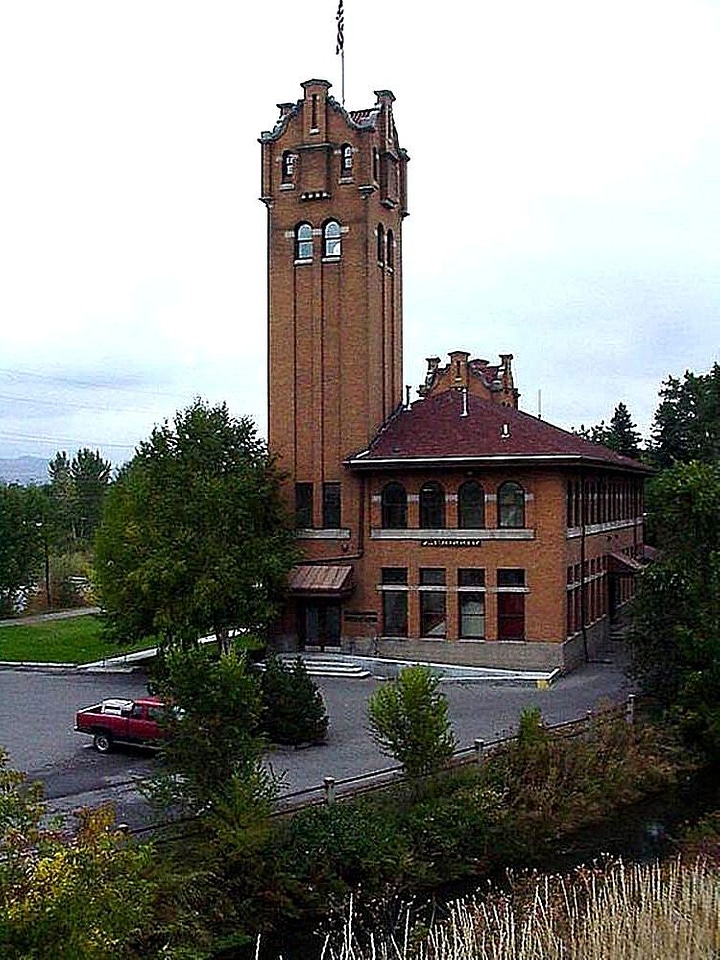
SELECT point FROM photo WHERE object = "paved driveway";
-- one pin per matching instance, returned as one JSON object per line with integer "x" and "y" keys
{"x": 37, "y": 712}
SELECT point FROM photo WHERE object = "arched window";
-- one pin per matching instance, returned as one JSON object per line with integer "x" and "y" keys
{"x": 303, "y": 242}
{"x": 394, "y": 507}
{"x": 511, "y": 506}
{"x": 432, "y": 506}
{"x": 288, "y": 166}
{"x": 331, "y": 239}
{"x": 347, "y": 160}
{"x": 390, "y": 249}
{"x": 471, "y": 506}
{"x": 381, "y": 243}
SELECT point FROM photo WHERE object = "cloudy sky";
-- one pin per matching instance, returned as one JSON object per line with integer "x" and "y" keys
{"x": 564, "y": 197}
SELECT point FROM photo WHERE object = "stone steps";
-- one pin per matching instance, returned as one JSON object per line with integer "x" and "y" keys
{"x": 328, "y": 666}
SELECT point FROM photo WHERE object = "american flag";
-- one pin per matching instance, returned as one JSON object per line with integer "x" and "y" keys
{"x": 340, "y": 17}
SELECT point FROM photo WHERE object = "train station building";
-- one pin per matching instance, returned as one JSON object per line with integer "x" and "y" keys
{"x": 448, "y": 526}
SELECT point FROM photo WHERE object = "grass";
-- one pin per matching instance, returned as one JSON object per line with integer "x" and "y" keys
{"x": 73, "y": 640}
{"x": 620, "y": 912}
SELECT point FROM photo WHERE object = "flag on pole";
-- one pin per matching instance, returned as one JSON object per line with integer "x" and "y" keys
{"x": 340, "y": 17}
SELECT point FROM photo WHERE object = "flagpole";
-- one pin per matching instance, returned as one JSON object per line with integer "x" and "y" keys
{"x": 340, "y": 45}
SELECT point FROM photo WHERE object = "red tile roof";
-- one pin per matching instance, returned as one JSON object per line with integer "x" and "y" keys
{"x": 434, "y": 430}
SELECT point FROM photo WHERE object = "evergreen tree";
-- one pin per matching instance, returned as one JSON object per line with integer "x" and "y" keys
{"x": 687, "y": 421}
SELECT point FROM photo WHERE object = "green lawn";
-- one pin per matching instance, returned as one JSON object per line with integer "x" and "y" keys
{"x": 76, "y": 640}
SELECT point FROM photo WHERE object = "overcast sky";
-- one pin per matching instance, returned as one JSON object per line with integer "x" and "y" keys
{"x": 564, "y": 192}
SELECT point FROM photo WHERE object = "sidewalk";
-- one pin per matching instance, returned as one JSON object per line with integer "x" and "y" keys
{"x": 56, "y": 615}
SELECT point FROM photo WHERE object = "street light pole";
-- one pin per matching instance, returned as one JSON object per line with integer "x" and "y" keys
{"x": 48, "y": 595}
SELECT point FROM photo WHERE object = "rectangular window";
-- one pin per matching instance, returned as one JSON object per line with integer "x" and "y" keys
{"x": 432, "y": 577}
{"x": 394, "y": 602}
{"x": 511, "y": 578}
{"x": 471, "y": 603}
{"x": 510, "y": 605}
{"x": 331, "y": 506}
{"x": 433, "y": 615}
{"x": 472, "y": 615}
{"x": 303, "y": 506}
{"x": 471, "y": 577}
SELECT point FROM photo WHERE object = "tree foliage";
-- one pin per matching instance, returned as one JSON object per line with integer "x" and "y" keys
{"x": 294, "y": 710}
{"x": 21, "y": 542}
{"x": 408, "y": 718}
{"x": 195, "y": 538}
{"x": 215, "y": 744}
{"x": 78, "y": 488}
{"x": 676, "y": 626}
{"x": 70, "y": 896}
{"x": 687, "y": 421}
{"x": 620, "y": 435}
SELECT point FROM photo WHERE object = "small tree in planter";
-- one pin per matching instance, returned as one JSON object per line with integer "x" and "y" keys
{"x": 293, "y": 707}
{"x": 409, "y": 721}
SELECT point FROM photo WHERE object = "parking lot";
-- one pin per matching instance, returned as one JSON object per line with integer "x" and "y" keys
{"x": 37, "y": 711}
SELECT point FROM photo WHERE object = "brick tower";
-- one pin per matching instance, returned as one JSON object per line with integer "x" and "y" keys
{"x": 334, "y": 184}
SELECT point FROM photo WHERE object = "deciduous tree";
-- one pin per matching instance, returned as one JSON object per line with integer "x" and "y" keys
{"x": 676, "y": 626}
{"x": 195, "y": 538}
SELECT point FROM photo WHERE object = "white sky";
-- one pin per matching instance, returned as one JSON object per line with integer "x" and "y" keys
{"x": 564, "y": 194}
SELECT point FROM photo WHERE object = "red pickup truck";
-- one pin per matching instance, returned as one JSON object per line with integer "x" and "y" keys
{"x": 122, "y": 721}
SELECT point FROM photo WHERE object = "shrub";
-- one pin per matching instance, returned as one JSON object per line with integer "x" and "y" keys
{"x": 293, "y": 707}
{"x": 409, "y": 720}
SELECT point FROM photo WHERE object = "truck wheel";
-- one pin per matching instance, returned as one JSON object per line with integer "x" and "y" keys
{"x": 102, "y": 742}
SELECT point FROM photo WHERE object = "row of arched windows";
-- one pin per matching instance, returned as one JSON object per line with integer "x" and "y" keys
{"x": 470, "y": 506}
{"x": 331, "y": 240}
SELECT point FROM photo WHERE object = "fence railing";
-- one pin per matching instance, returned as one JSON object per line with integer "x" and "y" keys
{"x": 332, "y": 790}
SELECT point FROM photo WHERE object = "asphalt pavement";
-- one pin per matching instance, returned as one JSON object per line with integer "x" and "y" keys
{"x": 37, "y": 710}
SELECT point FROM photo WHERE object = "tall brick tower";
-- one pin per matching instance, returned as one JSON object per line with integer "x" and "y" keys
{"x": 334, "y": 184}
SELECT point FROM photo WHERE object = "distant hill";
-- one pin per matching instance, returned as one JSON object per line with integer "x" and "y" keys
{"x": 24, "y": 470}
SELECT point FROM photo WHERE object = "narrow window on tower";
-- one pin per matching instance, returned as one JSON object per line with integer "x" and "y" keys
{"x": 347, "y": 160}
{"x": 381, "y": 244}
{"x": 376, "y": 165}
{"x": 390, "y": 249}
{"x": 303, "y": 242}
{"x": 332, "y": 241}
{"x": 288, "y": 166}
{"x": 303, "y": 506}
{"x": 331, "y": 506}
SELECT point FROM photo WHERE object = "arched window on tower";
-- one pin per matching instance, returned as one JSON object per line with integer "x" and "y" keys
{"x": 394, "y": 507}
{"x": 390, "y": 249}
{"x": 432, "y": 506}
{"x": 471, "y": 506}
{"x": 288, "y": 166}
{"x": 347, "y": 160}
{"x": 303, "y": 242}
{"x": 331, "y": 240}
{"x": 511, "y": 505}
{"x": 381, "y": 243}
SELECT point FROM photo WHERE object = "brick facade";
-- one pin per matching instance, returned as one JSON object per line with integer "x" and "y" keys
{"x": 453, "y": 529}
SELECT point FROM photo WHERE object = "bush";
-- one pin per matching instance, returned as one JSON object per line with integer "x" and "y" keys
{"x": 293, "y": 707}
{"x": 409, "y": 720}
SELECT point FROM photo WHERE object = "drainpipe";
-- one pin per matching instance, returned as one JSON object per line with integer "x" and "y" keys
{"x": 583, "y": 585}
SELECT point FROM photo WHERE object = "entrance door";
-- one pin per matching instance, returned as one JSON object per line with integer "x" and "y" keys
{"x": 319, "y": 623}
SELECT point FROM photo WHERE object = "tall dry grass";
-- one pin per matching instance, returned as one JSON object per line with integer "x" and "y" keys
{"x": 665, "y": 911}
